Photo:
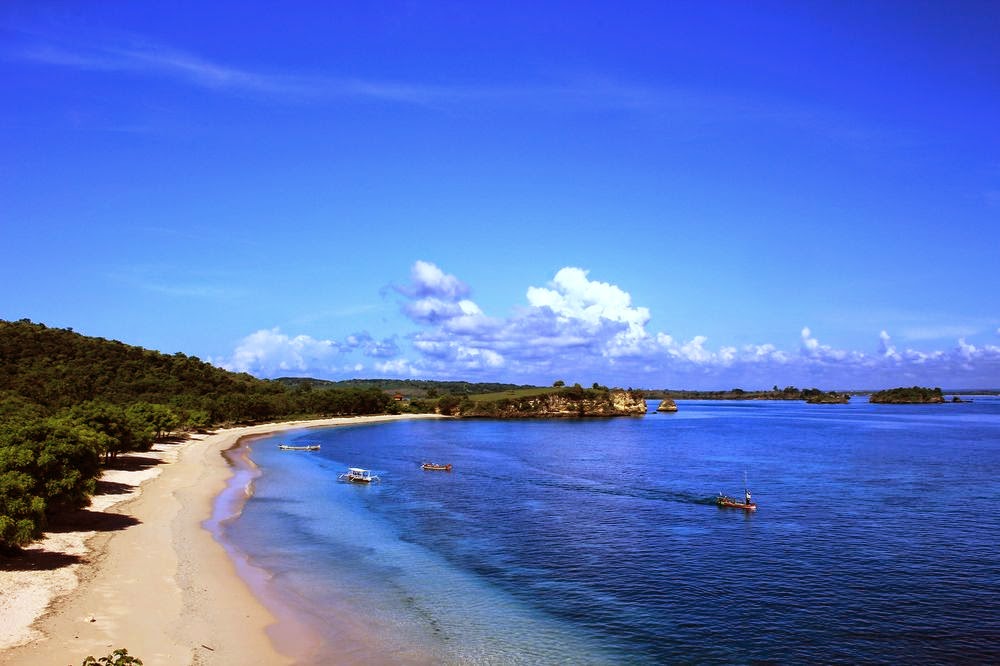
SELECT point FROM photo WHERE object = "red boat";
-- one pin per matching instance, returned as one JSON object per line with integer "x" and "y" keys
{"x": 434, "y": 467}
{"x": 730, "y": 503}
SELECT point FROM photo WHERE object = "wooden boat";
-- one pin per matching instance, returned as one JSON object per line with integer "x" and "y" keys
{"x": 730, "y": 503}
{"x": 358, "y": 475}
{"x": 289, "y": 447}
{"x": 434, "y": 467}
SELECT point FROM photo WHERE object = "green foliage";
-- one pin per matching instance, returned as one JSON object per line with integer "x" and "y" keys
{"x": 119, "y": 657}
{"x": 558, "y": 383}
{"x": 410, "y": 388}
{"x": 45, "y": 467}
{"x": 448, "y": 405}
{"x": 160, "y": 418}
{"x": 48, "y": 371}
{"x": 17, "y": 408}
{"x": 63, "y": 461}
{"x": 812, "y": 395}
{"x": 908, "y": 395}
{"x": 110, "y": 426}
{"x": 22, "y": 513}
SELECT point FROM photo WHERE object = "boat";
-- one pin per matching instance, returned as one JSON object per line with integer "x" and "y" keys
{"x": 308, "y": 447}
{"x": 728, "y": 502}
{"x": 358, "y": 475}
{"x": 434, "y": 467}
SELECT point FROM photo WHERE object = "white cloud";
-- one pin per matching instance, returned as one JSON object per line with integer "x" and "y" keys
{"x": 886, "y": 348}
{"x": 429, "y": 280}
{"x": 271, "y": 353}
{"x": 591, "y": 306}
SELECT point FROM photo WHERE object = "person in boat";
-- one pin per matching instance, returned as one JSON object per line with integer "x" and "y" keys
{"x": 747, "y": 491}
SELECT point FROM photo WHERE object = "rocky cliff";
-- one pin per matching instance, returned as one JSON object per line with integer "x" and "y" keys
{"x": 561, "y": 404}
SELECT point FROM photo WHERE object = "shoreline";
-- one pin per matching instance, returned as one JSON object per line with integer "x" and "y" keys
{"x": 154, "y": 577}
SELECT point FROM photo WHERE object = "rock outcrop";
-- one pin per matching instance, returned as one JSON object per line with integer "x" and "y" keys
{"x": 667, "y": 405}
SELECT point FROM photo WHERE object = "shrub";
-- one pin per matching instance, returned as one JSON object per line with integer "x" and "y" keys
{"x": 119, "y": 657}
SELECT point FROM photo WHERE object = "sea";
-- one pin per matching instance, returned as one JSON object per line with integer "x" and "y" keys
{"x": 598, "y": 541}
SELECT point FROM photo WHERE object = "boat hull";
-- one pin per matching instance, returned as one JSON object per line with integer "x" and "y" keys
{"x": 431, "y": 467}
{"x": 725, "y": 502}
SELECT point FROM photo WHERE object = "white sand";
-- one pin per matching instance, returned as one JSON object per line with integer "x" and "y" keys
{"x": 163, "y": 588}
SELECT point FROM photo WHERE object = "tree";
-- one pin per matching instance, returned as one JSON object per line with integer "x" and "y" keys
{"x": 113, "y": 430}
{"x": 558, "y": 383}
{"x": 448, "y": 404}
{"x": 160, "y": 418}
{"x": 65, "y": 465}
{"x": 22, "y": 513}
{"x": 45, "y": 467}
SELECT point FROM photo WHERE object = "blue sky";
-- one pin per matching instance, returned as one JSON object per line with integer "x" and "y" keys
{"x": 650, "y": 194}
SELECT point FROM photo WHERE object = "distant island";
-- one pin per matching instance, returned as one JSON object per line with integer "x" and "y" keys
{"x": 914, "y": 395}
{"x": 810, "y": 395}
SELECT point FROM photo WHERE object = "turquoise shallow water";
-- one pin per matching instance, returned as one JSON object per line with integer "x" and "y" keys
{"x": 597, "y": 541}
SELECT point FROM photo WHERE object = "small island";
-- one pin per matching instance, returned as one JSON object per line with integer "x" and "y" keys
{"x": 667, "y": 405}
{"x": 914, "y": 395}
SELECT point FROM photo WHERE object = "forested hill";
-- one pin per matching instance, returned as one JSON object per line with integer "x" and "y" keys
{"x": 57, "y": 368}
{"x": 48, "y": 370}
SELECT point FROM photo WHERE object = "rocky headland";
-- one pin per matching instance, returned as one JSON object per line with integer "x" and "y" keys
{"x": 560, "y": 403}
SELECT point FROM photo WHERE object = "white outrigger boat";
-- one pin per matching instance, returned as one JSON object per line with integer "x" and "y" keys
{"x": 289, "y": 447}
{"x": 358, "y": 475}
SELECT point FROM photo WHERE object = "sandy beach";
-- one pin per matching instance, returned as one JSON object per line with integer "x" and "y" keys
{"x": 142, "y": 572}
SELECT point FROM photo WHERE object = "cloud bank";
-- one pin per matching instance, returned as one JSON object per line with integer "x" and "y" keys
{"x": 271, "y": 353}
{"x": 580, "y": 329}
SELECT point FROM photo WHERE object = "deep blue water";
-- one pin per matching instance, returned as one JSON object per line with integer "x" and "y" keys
{"x": 877, "y": 537}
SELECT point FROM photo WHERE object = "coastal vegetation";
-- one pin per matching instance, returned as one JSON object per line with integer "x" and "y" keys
{"x": 119, "y": 657}
{"x": 408, "y": 388}
{"x": 913, "y": 395}
{"x": 810, "y": 395}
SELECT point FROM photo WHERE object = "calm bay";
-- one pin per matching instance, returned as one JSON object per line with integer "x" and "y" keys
{"x": 598, "y": 540}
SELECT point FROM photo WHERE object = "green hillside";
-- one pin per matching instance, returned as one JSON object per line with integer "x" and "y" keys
{"x": 68, "y": 401}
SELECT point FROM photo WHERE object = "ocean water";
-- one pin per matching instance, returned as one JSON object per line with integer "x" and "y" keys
{"x": 877, "y": 537}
